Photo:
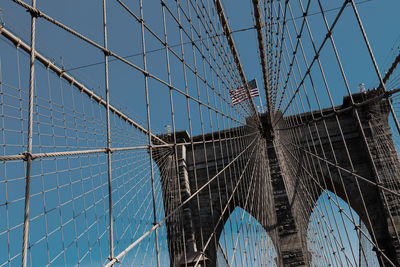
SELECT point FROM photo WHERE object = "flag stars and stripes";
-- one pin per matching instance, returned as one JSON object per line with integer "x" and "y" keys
{"x": 239, "y": 94}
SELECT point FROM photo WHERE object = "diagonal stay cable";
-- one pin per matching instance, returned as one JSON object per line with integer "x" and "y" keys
{"x": 327, "y": 36}
{"x": 341, "y": 209}
{"x": 350, "y": 172}
{"x": 224, "y": 254}
{"x": 47, "y": 63}
{"x": 157, "y": 225}
{"x": 104, "y": 150}
{"x": 334, "y": 112}
{"x": 197, "y": 40}
{"x": 228, "y": 203}
{"x": 38, "y": 13}
{"x": 227, "y": 30}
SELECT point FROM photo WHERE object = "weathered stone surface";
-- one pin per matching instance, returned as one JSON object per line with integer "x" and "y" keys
{"x": 287, "y": 185}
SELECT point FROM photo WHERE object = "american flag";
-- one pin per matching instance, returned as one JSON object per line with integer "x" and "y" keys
{"x": 239, "y": 95}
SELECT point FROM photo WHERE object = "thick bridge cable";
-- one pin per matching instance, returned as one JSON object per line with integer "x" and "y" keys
{"x": 232, "y": 47}
{"x": 261, "y": 46}
{"x": 48, "y": 64}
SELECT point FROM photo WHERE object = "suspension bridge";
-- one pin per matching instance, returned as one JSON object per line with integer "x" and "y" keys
{"x": 131, "y": 134}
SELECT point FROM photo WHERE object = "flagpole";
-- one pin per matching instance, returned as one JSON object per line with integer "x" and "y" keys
{"x": 262, "y": 109}
{"x": 259, "y": 97}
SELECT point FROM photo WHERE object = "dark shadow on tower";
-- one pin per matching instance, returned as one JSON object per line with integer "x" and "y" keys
{"x": 206, "y": 163}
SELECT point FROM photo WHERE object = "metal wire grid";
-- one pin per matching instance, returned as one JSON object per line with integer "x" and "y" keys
{"x": 297, "y": 79}
{"x": 69, "y": 138}
{"x": 79, "y": 130}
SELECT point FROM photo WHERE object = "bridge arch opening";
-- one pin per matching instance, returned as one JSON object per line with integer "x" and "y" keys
{"x": 245, "y": 242}
{"x": 332, "y": 234}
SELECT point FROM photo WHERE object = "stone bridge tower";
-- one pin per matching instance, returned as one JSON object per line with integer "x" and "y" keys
{"x": 200, "y": 163}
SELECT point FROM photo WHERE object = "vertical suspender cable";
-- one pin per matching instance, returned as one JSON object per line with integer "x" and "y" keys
{"x": 108, "y": 151}
{"x": 29, "y": 149}
{"x": 149, "y": 129}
